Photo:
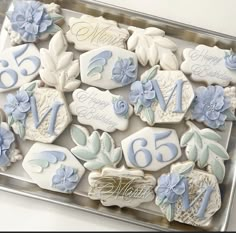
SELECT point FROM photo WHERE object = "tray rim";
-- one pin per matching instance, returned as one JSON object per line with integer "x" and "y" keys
{"x": 6, "y": 188}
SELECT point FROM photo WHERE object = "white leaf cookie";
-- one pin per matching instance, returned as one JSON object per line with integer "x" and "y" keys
{"x": 88, "y": 32}
{"x": 101, "y": 109}
{"x": 53, "y": 167}
{"x": 152, "y": 47}
{"x": 188, "y": 195}
{"x": 203, "y": 147}
{"x": 37, "y": 113}
{"x": 108, "y": 67}
{"x": 151, "y": 148}
{"x": 161, "y": 96}
{"x": 8, "y": 151}
{"x": 211, "y": 65}
{"x": 59, "y": 70}
{"x": 18, "y": 65}
{"x": 98, "y": 151}
{"x": 127, "y": 187}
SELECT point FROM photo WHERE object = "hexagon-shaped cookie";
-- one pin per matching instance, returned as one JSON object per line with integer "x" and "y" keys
{"x": 161, "y": 96}
{"x": 38, "y": 113}
{"x": 151, "y": 148}
{"x": 53, "y": 167}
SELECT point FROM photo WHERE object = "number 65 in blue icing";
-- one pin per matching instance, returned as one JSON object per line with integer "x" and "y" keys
{"x": 151, "y": 148}
{"x": 18, "y": 65}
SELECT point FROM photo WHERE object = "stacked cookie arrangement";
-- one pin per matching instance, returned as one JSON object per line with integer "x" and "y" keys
{"x": 111, "y": 56}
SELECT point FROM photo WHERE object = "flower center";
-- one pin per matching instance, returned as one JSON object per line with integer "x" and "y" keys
{"x": 30, "y": 19}
{"x": 211, "y": 107}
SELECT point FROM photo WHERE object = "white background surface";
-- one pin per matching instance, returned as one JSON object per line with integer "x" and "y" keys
{"x": 21, "y": 213}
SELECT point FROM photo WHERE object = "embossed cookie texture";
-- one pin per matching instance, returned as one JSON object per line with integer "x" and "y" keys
{"x": 98, "y": 151}
{"x": 203, "y": 146}
{"x": 211, "y": 65}
{"x": 108, "y": 67}
{"x": 88, "y": 32}
{"x": 161, "y": 96}
{"x": 53, "y": 167}
{"x": 59, "y": 70}
{"x": 37, "y": 113}
{"x": 121, "y": 187}
{"x": 18, "y": 65}
{"x": 151, "y": 148}
{"x": 188, "y": 195}
{"x": 151, "y": 46}
{"x": 8, "y": 151}
{"x": 31, "y": 21}
{"x": 101, "y": 109}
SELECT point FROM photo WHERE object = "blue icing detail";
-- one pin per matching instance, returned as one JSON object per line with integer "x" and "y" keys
{"x": 97, "y": 63}
{"x": 230, "y": 61}
{"x": 52, "y": 156}
{"x": 54, "y": 110}
{"x": 120, "y": 107}
{"x": 65, "y": 179}
{"x": 178, "y": 88}
{"x": 12, "y": 74}
{"x": 34, "y": 20}
{"x": 4, "y": 63}
{"x": 124, "y": 71}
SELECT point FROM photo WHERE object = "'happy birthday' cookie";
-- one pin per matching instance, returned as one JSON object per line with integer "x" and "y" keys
{"x": 121, "y": 187}
{"x": 37, "y": 113}
{"x": 53, "y": 167}
{"x": 151, "y": 148}
{"x": 101, "y": 109}
{"x": 188, "y": 195}
{"x": 108, "y": 67}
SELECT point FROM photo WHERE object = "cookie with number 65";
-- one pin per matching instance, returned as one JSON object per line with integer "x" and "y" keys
{"x": 151, "y": 148}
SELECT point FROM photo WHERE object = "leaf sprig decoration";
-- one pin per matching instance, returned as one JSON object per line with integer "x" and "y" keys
{"x": 59, "y": 70}
{"x": 203, "y": 147}
{"x": 98, "y": 151}
{"x": 152, "y": 47}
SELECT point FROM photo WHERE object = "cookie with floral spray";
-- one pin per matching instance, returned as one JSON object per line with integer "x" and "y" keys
{"x": 8, "y": 150}
{"x": 188, "y": 195}
{"x": 37, "y": 112}
{"x": 213, "y": 106}
{"x": 109, "y": 67}
{"x": 31, "y": 21}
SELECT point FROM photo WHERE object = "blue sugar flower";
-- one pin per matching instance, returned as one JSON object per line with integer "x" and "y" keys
{"x": 66, "y": 179}
{"x": 121, "y": 107}
{"x": 142, "y": 92}
{"x": 30, "y": 20}
{"x": 170, "y": 187}
{"x": 209, "y": 106}
{"x": 124, "y": 71}
{"x": 230, "y": 61}
{"x": 18, "y": 106}
{"x": 6, "y": 140}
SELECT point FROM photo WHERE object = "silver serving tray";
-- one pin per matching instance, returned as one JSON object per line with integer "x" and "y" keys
{"x": 15, "y": 180}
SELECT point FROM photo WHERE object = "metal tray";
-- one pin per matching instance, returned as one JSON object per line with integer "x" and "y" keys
{"x": 15, "y": 180}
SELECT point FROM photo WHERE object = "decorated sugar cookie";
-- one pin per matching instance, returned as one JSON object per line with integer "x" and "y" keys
{"x": 53, "y": 167}
{"x": 37, "y": 113}
{"x": 211, "y": 65}
{"x": 151, "y": 148}
{"x": 8, "y": 151}
{"x": 152, "y": 47}
{"x": 101, "y": 109}
{"x": 161, "y": 96}
{"x": 108, "y": 67}
{"x": 59, "y": 70}
{"x": 188, "y": 195}
{"x": 121, "y": 187}
{"x": 31, "y": 21}
{"x": 18, "y": 65}
{"x": 88, "y": 32}
{"x": 213, "y": 105}
{"x": 204, "y": 147}
{"x": 98, "y": 151}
